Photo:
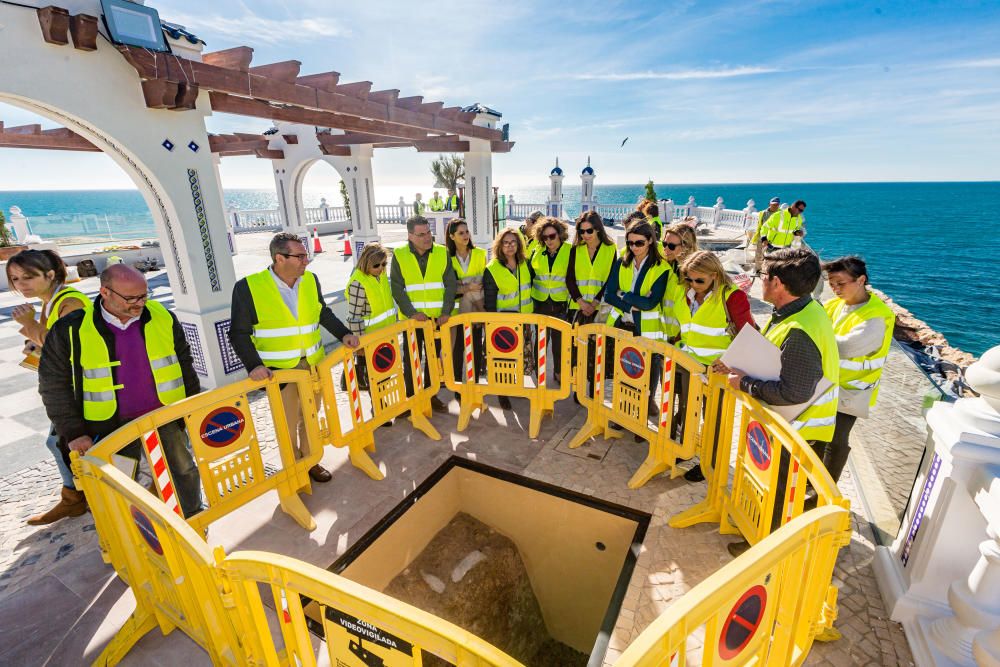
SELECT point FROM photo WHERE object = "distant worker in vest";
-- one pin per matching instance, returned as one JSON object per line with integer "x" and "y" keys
{"x": 528, "y": 234}
{"x": 802, "y": 331}
{"x": 451, "y": 203}
{"x": 782, "y": 227}
{"x": 590, "y": 261}
{"x": 277, "y": 314}
{"x": 436, "y": 203}
{"x": 369, "y": 302}
{"x": 418, "y": 204}
{"x": 863, "y": 324}
{"x": 652, "y": 213}
{"x": 41, "y": 274}
{"x": 125, "y": 357}
{"x": 423, "y": 286}
{"x": 469, "y": 264}
{"x": 550, "y": 264}
{"x": 507, "y": 286}
{"x": 753, "y": 231}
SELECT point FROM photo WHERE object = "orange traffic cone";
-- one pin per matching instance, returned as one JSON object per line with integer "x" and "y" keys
{"x": 347, "y": 246}
{"x": 317, "y": 247}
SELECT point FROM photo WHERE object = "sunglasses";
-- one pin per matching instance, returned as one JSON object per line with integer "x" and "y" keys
{"x": 588, "y": 230}
{"x": 671, "y": 246}
{"x": 696, "y": 281}
{"x": 378, "y": 266}
{"x": 635, "y": 244}
{"x": 550, "y": 237}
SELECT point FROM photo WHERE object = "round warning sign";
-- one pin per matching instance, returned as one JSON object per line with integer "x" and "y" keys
{"x": 147, "y": 530}
{"x": 505, "y": 339}
{"x": 222, "y": 427}
{"x": 632, "y": 363}
{"x": 742, "y": 622}
{"x": 384, "y": 357}
{"x": 759, "y": 445}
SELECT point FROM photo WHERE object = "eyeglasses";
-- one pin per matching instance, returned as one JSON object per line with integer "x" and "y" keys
{"x": 509, "y": 242}
{"x": 132, "y": 299}
{"x": 696, "y": 281}
{"x": 635, "y": 244}
{"x": 299, "y": 256}
{"x": 378, "y": 266}
{"x": 550, "y": 237}
{"x": 588, "y": 230}
{"x": 671, "y": 246}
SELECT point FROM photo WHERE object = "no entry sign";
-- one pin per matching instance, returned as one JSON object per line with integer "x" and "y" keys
{"x": 222, "y": 427}
{"x": 759, "y": 445}
{"x": 505, "y": 340}
{"x": 384, "y": 357}
{"x": 147, "y": 530}
{"x": 632, "y": 363}
{"x": 742, "y": 622}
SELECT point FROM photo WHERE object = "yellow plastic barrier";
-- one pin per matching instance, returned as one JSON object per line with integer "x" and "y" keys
{"x": 629, "y": 408}
{"x": 227, "y": 447}
{"x": 169, "y": 567}
{"x": 384, "y": 360}
{"x": 505, "y": 342}
{"x": 764, "y": 608}
{"x": 360, "y": 625}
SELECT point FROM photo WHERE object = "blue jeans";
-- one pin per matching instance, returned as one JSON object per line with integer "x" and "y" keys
{"x": 52, "y": 444}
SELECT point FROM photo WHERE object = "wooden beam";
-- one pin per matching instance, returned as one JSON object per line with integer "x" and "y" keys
{"x": 385, "y": 96}
{"x": 393, "y": 144}
{"x": 412, "y": 103}
{"x": 359, "y": 89}
{"x": 25, "y": 129}
{"x": 441, "y": 146}
{"x": 450, "y": 113}
{"x": 355, "y": 139}
{"x": 268, "y": 154}
{"x": 501, "y": 146}
{"x": 326, "y": 81}
{"x": 431, "y": 108}
{"x": 341, "y": 151}
{"x": 246, "y": 136}
{"x": 237, "y": 58}
{"x": 290, "y": 138}
{"x": 287, "y": 70}
{"x": 59, "y": 139}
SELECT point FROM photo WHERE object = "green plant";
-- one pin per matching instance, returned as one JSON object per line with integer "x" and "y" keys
{"x": 5, "y": 238}
{"x": 448, "y": 170}
{"x": 346, "y": 198}
{"x": 650, "y": 192}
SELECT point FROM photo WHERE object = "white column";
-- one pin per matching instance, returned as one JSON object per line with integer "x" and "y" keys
{"x": 356, "y": 171}
{"x": 292, "y": 220}
{"x": 587, "y": 200}
{"x": 717, "y": 213}
{"x": 479, "y": 192}
{"x": 18, "y": 224}
{"x": 554, "y": 205}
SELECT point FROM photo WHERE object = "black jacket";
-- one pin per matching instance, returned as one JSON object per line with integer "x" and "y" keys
{"x": 60, "y": 377}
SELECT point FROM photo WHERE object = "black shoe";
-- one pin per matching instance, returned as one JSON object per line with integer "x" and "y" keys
{"x": 437, "y": 405}
{"x": 458, "y": 397}
{"x": 343, "y": 382}
{"x": 320, "y": 474}
{"x": 737, "y": 549}
{"x": 575, "y": 399}
{"x": 638, "y": 438}
{"x": 653, "y": 411}
{"x": 810, "y": 502}
{"x": 695, "y": 474}
{"x": 505, "y": 403}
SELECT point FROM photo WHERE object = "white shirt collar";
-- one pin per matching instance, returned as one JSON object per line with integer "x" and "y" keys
{"x": 281, "y": 283}
{"x": 115, "y": 322}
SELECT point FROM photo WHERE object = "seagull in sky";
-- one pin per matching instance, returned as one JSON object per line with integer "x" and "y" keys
{"x": 623, "y": 142}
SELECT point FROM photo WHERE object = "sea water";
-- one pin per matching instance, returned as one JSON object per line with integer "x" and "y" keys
{"x": 933, "y": 247}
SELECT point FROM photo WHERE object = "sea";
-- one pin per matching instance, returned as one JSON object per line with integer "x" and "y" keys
{"x": 933, "y": 247}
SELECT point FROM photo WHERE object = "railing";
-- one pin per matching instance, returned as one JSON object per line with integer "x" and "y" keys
{"x": 392, "y": 213}
{"x": 81, "y": 228}
{"x": 256, "y": 220}
{"x": 517, "y": 211}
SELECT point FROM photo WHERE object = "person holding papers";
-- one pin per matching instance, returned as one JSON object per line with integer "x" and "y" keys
{"x": 801, "y": 329}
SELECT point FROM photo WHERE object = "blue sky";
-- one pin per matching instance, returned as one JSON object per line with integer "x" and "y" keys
{"x": 741, "y": 91}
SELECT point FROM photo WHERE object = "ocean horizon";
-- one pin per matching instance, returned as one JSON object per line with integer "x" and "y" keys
{"x": 932, "y": 246}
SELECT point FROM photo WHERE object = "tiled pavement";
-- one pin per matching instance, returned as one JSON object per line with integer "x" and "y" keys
{"x": 59, "y": 604}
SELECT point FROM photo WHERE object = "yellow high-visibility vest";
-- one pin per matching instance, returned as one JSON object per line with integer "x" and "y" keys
{"x": 477, "y": 265}
{"x": 550, "y": 283}
{"x": 436, "y": 204}
{"x": 865, "y": 372}
{"x": 650, "y": 322}
{"x": 704, "y": 334}
{"x": 780, "y": 228}
{"x": 592, "y": 276}
{"x": 281, "y": 339}
{"x": 426, "y": 290}
{"x": 513, "y": 293}
{"x": 379, "y": 295}
{"x": 62, "y": 295}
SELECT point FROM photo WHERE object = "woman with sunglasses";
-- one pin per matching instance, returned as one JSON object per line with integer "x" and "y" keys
{"x": 549, "y": 265}
{"x": 507, "y": 285}
{"x": 679, "y": 241}
{"x": 527, "y": 231}
{"x": 41, "y": 274}
{"x": 635, "y": 290}
{"x": 469, "y": 263}
{"x": 713, "y": 309}
{"x": 369, "y": 301}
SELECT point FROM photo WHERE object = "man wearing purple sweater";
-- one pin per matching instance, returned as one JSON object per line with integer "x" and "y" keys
{"x": 122, "y": 359}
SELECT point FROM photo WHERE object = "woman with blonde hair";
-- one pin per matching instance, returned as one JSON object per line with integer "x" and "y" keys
{"x": 507, "y": 285}
{"x": 713, "y": 309}
{"x": 679, "y": 241}
{"x": 41, "y": 274}
{"x": 369, "y": 300}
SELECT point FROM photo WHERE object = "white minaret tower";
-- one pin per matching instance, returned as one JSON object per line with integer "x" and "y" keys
{"x": 587, "y": 200}
{"x": 554, "y": 206}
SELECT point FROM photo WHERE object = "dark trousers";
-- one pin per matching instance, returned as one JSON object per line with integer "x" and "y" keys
{"x": 478, "y": 351}
{"x": 656, "y": 361}
{"x": 555, "y": 309}
{"x": 180, "y": 461}
{"x": 835, "y": 453}
{"x": 783, "y": 465}
{"x": 422, "y": 353}
{"x": 578, "y": 318}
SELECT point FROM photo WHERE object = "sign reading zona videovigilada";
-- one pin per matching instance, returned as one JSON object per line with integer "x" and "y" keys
{"x": 222, "y": 427}
{"x": 372, "y": 645}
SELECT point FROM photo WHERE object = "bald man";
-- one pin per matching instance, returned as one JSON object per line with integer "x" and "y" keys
{"x": 122, "y": 359}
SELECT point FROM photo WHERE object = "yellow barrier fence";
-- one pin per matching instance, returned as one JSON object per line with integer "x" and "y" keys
{"x": 764, "y": 608}
{"x": 632, "y": 360}
{"x": 507, "y": 335}
{"x": 227, "y": 446}
{"x": 381, "y": 353}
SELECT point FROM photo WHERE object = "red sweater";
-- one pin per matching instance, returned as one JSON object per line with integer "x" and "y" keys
{"x": 738, "y": 307}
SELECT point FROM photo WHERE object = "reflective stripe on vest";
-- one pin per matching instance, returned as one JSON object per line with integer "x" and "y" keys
{"x": 781, "y": 228}
{"x": 704, "y": 334}
{"x": 550, "y": 283}
{"x": 477, "y": 265}
{"x": 282, "y": 340}
{"x": 650, "y": 324}
{"x": 865, "y": 372}
{"x": 379, "y": 295}
{"x": 62, "y": 295}
{"x": 99, "y": 400}
{"x": 591, "y": 277}
{"x": 426, "y": 291}
{"x": 817, "y": 421}
{"x": 513, "y": 294}
{"x": 673, "y": 295}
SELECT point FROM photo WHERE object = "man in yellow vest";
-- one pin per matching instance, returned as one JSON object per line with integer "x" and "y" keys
{"x": 782, "y": 227}
{"x": 105, "y": 366}
{"x": 809, "y": 359}
{"x": 436, "y": 203}
{"x": 423, "y": 285}
{"x": 863, "y": 325}
{"x": 277, "y": 314}
{"x": 451, "y": 203}
{"x": 753, "y": 233}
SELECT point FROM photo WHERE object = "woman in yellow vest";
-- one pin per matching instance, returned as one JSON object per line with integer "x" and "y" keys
{"x": 634, "y": 291}
{"x": 507, "y": 286}
{"x": 590, "y": 261}
{"x": 41, "y": 274}
{"x": 712, "y": 311}
{"x": 863, "y": 325}
{"x": 549, "y": 265}
{"x": 527, "y": 232}
{"x": 369, "y": 301}
{"x": 469, "y": 263}
{"x": 679, "y": 241}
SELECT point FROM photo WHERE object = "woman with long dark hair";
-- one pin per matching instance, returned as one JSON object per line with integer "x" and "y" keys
{"x": 469, "y": 263}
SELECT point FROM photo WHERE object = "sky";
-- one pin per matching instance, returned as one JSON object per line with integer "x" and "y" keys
{"x": 706, "y": 92}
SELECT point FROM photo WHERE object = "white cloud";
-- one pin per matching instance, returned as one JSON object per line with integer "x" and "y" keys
{"x": 974, "y": 64}
{"x": 680, "y": 75}
{"x": 255, "y": 29}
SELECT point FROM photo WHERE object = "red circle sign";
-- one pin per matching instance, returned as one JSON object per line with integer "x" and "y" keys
{"x": 632, "y": 363}
{"x": 505, "y": 339}
{"x": 384, "y": 357}
{"x": 742, "y": 622}
{"x": 758, "y": 445}
{"x": 146, "y": 530}
{"x": 222, "y": 427}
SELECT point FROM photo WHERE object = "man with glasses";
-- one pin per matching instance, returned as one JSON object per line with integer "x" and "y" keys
{"x": 116, "y": 362}
{"x": 782, "y": 227}
{"x": 277, "y": 314}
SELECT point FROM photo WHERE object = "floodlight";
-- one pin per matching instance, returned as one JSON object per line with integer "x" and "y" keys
{"x": 134, "y": 25}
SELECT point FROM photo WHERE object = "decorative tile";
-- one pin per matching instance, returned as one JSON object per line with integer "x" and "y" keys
{"x": 203, "y": 230}
{"x": 169, "y": 145}
{"x": 197, "y": 351}
{"x": 230, "y": 362}
{"x": 193, "y": 146}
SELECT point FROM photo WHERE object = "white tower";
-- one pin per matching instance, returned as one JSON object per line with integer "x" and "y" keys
{"x": 554, "y": 206}
{"x": 587, "y": 200}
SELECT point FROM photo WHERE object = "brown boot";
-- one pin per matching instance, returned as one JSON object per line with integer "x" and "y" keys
{"x": 72, "y": 503}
